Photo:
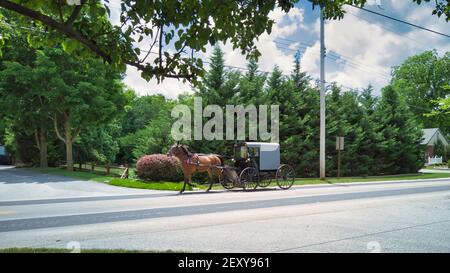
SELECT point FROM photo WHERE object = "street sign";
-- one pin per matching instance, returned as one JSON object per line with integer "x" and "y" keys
{"x": 339, "y": 143}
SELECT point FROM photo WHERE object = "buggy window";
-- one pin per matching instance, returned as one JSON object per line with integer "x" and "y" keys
{"x": 254, "y": 151}
{"x": 243, "y": 152}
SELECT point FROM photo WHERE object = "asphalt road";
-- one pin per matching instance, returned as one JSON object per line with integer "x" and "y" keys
{"x": 38, "y": 210}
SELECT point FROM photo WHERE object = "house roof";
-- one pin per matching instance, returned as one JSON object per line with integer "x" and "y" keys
{"x": 428, "y": 135}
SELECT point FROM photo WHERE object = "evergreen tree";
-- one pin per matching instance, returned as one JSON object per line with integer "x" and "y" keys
{"x": 299, "y": 122}
{"x": 400, "y": 150}
{"x": 368, "y": 137}
{"x": 300, "y": 79}
{"x": 213, "y": 90}
{"x": 439, "y": 149}
{"x": 251, "y": 86}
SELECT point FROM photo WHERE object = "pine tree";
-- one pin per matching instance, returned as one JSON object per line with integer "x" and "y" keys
{"x": 400, "y": 150}
{"x": 251, "y": 86}
{"x": 300, "y": 79}
{"x": 299, "y": 123}
{"x": 213, "y": 91}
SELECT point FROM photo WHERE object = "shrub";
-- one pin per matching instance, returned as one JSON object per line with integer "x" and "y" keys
{"x": 159, "y": 167}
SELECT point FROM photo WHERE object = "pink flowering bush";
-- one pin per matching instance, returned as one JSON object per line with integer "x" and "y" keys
{"x": 159, "y": 167}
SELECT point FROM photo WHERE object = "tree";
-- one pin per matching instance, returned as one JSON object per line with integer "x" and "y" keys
{"x": 439, "y": 149}
{"x": 421, "y": 80}
{"x": 441, "y": 110}
{"x": 81, "y": 94}
{"x": 299, "y": 118}
{"x": 24, "y": 104}
{"x": 146, "y": 127}
{"x": 400, "y": 150}
{"x": 99, "y": 144}
{"x": 369, "y": 137}
{"x": 142, "y": 110}
{"x": 20, "y": 89}
{"x": 300, "y": 79}
{"x": 251, "y": 86}
{"x": 153, "y": 139}
{"x": 216, "y": 88}
{"x": 186, "y": 26}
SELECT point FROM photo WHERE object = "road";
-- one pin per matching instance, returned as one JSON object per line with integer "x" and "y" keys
{"x": 38, "y": 210}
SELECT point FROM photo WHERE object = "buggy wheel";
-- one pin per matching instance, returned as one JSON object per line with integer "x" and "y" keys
{"x": 225, "y": 182}
{"x": 285, "y": 176}
{"x": 249, "y": 178}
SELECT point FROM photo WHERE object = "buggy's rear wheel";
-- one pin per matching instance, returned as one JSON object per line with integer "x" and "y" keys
{"x": 249, "y": 178}
{"x": 285, "y": 176}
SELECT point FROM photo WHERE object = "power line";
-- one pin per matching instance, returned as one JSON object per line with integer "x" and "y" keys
{"x": 392, "y": 31}
{"x": 335, "y": 56}
{"x": 402, "y": 21}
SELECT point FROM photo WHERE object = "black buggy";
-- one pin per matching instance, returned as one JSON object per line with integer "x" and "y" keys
{"x": 256, "y": 164}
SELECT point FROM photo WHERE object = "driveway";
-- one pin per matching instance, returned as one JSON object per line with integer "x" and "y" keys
{"x": 19, "y": 184}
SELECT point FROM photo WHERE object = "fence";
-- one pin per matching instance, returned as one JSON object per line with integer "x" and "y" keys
{"x": 103, "y": 169}
{"x": 434, "y": 160}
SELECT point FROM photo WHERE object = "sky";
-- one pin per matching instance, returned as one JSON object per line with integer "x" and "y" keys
{"x": 361, "y": 49}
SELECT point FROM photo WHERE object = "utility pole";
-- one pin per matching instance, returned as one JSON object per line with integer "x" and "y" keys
{"x": 322, "y": 96}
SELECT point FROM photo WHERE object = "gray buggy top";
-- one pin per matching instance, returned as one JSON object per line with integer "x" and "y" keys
{"x": 266, "y": 154}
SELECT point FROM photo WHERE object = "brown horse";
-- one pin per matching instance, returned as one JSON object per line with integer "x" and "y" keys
{"x": 192, "y": 163}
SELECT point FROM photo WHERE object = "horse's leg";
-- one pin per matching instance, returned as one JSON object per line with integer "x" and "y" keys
{"x": 210, "y": 180}
{"x": 189, "y": 181}
{"x": 184, "y": 184}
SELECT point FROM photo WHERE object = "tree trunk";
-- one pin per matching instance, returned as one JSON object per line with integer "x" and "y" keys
{"x": 43, "y": 149}
{"x": 41, "y": 142}
{"x": 69, "y": 156}
{"x": 68, "y": 141}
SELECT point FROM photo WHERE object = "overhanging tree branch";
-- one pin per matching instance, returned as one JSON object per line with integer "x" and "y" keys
{"x": 63, "y": 28}
{"x": 76, "y": 11}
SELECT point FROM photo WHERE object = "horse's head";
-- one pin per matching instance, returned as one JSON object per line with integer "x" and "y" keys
{"x": 178, "y": 150}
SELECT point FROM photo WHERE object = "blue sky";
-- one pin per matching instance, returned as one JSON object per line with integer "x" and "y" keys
{"x": 361, "y": 48}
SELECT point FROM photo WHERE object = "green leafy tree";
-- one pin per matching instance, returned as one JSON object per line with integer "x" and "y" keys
{"x": 142, "y": 110}
{"x": 154, "y": 138}
{"x": 23, "y": 102}
{"x": 20, "y": 89}
{"x": 81, "y": 94}
{"x": 99, "y": 144}
{"x": 183, "y": 26}
{"x": 140, "y": 123}
{"x": 421, "y": 80}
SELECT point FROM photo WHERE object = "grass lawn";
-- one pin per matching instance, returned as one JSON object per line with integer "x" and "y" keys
{"x": 176, "y": 186}
{"x": 331, "y": 180}
{"x": 133, "y": 183}
{"x": 93, "y": 250}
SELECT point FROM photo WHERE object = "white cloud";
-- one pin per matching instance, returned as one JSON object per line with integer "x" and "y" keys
{"x": 170, "y": 88}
